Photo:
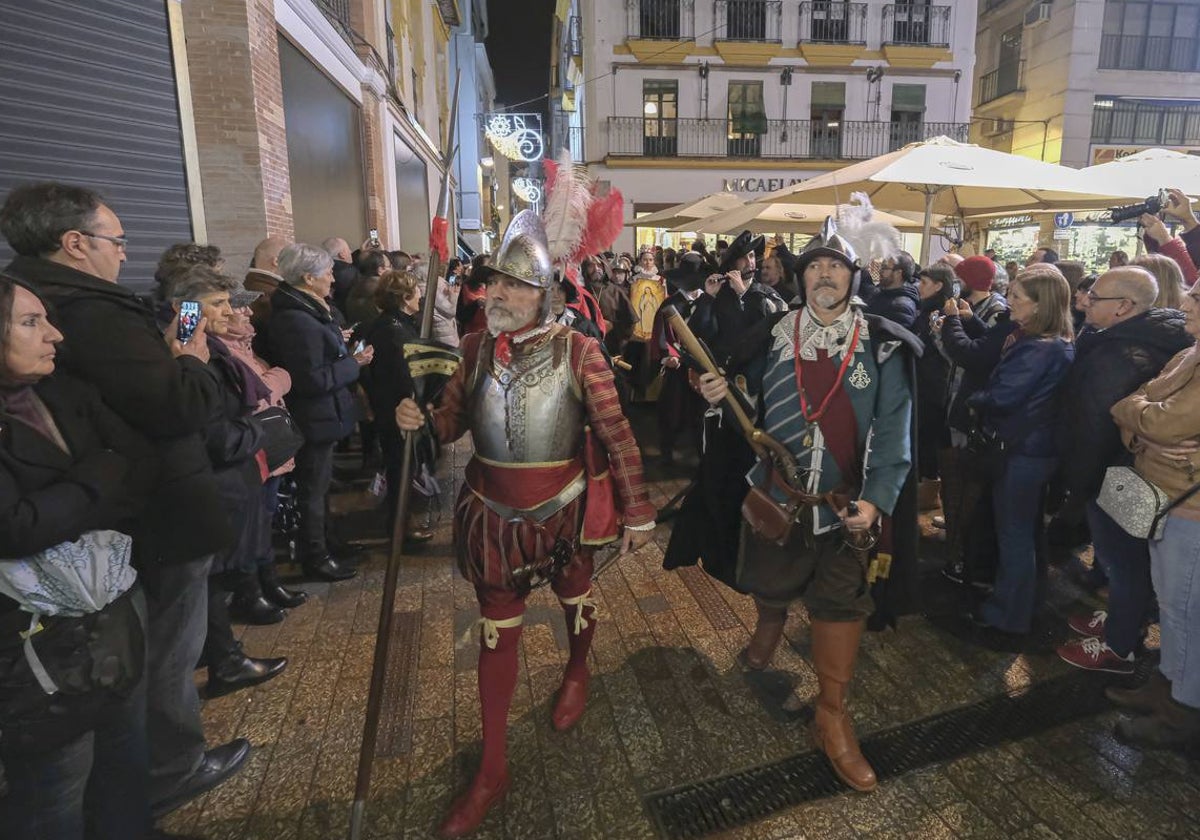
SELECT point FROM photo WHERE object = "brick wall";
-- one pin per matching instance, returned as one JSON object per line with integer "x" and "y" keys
{"x": 233, "y": 59}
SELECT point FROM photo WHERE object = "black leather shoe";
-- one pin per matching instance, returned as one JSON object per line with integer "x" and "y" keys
{"x": 240, "y": 671}
{"x": 341, "y": 549}
{"x": 256, "y": 610}
{"x": 281, "y": 596}
{"x": 328, "y": 569}
{"x": 218, "y": 765}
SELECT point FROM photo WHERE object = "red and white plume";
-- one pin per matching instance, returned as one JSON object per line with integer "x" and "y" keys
{"x": 568, "y": 199}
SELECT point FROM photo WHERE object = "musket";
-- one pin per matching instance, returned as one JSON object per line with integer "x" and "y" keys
{"x": 763, "y": 444}
{"x": 366, "y": 755}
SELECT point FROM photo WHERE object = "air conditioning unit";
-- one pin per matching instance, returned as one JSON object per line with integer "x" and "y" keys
{"x": 999, "y": 126}
{"x": 1037, "y": 14}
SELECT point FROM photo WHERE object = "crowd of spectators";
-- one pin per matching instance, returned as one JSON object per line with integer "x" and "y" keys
{"x": 165, "y": 456}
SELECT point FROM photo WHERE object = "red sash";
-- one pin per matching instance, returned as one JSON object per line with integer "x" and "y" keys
{"x": 838, "y": 424}
{"x": 520, "y": 486}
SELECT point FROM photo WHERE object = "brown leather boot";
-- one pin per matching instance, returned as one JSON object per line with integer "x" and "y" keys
{"x": 834, "y": 649}
{"x": 1154, "y": 696}
{"x": 768, "y": 630}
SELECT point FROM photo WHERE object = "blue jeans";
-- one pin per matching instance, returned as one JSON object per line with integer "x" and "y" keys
{"x": 1125, "y": 559}
{"x": 177, "y": 597}
{"x": 94, "y": 786}
{"x": 1175, "y": 568}
{"x": 1017, "y": 497}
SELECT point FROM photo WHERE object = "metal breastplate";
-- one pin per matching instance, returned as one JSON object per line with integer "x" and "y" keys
{"x": 528, "y": 412}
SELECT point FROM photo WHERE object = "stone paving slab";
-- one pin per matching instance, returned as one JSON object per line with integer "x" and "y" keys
{"x": 669, "y": 707}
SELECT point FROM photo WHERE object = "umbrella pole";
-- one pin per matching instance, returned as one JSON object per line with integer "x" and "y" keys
{"x": 930, "y": 193}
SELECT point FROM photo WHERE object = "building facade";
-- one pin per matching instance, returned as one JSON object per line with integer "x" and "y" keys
{"x": 1083, "y": 82}
{"x": 681, "y": 98}
{"x": 226, "y": 121}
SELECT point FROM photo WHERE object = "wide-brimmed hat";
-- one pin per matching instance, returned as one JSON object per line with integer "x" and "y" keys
{"x": 745, "y": 243}
{"x": 690, "y": 274}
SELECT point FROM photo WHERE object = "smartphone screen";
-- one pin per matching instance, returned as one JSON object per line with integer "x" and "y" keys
{"x": 374, "y": 236}
{"x": 359, "y": 347}
{"x": 189, "y": 319}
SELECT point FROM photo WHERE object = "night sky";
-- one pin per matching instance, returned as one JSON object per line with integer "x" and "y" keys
{"x": 518, "y": 45}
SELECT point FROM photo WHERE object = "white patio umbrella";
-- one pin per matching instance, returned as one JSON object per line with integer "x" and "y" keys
{"x": 951, "y": 178}
{"x": 785, "y": 218}
{"x": 1145, "y": 173}
{"x": 681, "y": 214}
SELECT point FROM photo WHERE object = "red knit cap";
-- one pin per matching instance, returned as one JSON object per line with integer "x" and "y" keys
{"x": 976, "y": 273}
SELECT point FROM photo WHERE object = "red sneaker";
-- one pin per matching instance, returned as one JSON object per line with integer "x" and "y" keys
{"x": 1089, "y": 625}
{"x": 1093, "y": 654}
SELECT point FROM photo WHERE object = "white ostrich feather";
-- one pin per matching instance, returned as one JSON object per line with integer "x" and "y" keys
{"x": 870, "y": 240}
{"x": 567, "y": 203}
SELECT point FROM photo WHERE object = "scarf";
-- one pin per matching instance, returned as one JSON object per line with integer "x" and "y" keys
{"x": 251, "y": 388}
{"x": 23, "y": 404}
{"x": 240, "y": 334}
{"x": 505, "y": 341}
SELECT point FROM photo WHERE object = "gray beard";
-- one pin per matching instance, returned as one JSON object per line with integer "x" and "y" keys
{"x": 499, "y": 320}
{"x": 826, "y": 298}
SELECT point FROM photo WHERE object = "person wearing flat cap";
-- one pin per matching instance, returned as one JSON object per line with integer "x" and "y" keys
{"x": 833, "y": 386}
{"x": 735, "y": 298}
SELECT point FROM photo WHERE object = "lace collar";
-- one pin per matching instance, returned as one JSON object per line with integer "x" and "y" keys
{"x": 814, "y": 335}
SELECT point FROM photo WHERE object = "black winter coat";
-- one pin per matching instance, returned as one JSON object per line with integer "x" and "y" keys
{"x": 1110, "y": 365}
{"x": 387, "y": 380}
{"x": 306, "y": 341}
{"x": 47, "y": 497}
{"x": 976, "y": 349}
{"x": 899, "y": 305}
{"x": 722, "y": 320}
{"x": 112, "y": 342}
{"x": 232, "y": 440}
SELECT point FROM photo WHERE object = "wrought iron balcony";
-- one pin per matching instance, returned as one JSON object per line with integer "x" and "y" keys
{"x": 748, "y": 20}
{"x": 774, "y": 139}
{"x": 833, "y": 22}
{"x": 1149, "y": 52}
{"x": 1005, "y": 79}
{"x": 574, "y": 36}
{"x": 669, "y": 20}
{"x": 926, "y": 26}
{"x": 337, "y": 10}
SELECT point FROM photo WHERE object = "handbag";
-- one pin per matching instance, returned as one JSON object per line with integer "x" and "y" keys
{"x": 768, "y": 518}
{"x": 281, "y": 436}
{"x": 1137, "y": 505}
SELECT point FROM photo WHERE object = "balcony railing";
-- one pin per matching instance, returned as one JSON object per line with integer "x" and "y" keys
{"x": 916, "y": 25}
{"x": 668, "y": 20}
{"x": 337, "y": 10}
{"x": 1149, "y": 52}
{"x": 747, "y": 20}
{"x": 574, "y": 36}
{"x": 834, "y": 22}
{"x": 811, "y": 139}
{"x": 1005, "y": 79}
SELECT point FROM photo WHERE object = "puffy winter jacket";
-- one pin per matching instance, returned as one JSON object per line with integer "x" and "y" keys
{"x": 1110, "y": 365}
{"x": 899, "y": 305}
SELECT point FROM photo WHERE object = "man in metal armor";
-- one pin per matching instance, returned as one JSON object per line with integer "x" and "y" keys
{"x": 835, "y": 391}
{"x": 555, "y": 462}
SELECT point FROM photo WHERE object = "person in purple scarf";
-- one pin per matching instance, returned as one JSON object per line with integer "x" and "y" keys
{"x": 235, "y": 447}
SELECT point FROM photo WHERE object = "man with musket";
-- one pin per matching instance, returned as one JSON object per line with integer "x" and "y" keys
{"x": 555, "y": 460}
{"x": 833, "y": 392}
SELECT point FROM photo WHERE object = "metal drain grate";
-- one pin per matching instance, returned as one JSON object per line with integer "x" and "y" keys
{"x": 728, "y": 801}
{"x": 400, "y": 687}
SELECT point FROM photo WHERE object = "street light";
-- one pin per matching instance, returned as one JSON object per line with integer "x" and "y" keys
{"x": 650, "y": 109}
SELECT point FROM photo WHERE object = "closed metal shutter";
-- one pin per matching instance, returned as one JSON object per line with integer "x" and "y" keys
{"x": 87, "y": 96}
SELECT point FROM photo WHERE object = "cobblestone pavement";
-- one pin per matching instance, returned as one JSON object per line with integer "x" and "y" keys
{"x": 669, "y": 706}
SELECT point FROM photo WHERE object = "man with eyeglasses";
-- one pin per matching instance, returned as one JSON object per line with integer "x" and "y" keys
{"x": 70, "y": 246}
{"x": 897, "y": 298}
{"x": 1129, "y": 344}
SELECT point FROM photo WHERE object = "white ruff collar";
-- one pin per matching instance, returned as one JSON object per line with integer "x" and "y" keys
{"x": 814, "y": 336}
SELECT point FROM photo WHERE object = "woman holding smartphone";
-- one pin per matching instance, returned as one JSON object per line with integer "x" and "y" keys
{"x": 305, "y": 340}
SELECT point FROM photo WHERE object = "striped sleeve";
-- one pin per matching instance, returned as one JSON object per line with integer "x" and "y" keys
{"x": 612, "y": 428}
